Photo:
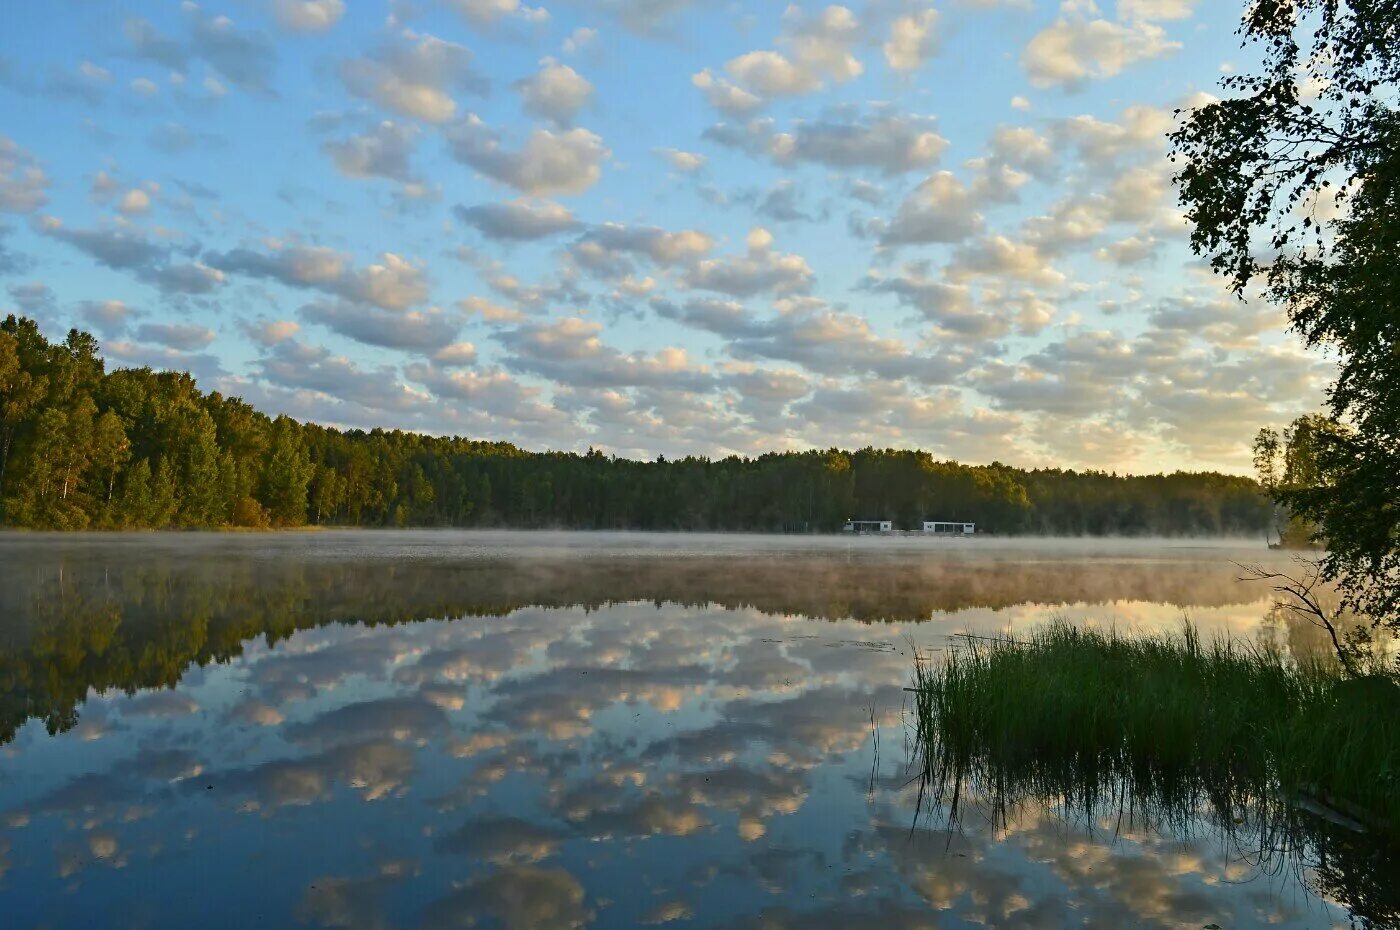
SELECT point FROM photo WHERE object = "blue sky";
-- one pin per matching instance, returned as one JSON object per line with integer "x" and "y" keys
{"x": 648, "y": 227}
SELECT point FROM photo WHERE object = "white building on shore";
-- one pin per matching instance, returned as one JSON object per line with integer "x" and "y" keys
{"x": 940, "y": 528}
{"x": 869, "y": 526}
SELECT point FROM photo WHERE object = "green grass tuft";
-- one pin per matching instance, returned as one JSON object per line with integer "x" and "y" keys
{"x": 1166, "y": 727}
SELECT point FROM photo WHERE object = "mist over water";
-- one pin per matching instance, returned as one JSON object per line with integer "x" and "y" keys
{"x": 405, "y": 729}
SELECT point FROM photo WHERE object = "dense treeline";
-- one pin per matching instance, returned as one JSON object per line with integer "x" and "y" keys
{"x": 83, "y": 448}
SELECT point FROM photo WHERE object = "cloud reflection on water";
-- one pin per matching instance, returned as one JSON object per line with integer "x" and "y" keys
{"x": 691, "y": 750}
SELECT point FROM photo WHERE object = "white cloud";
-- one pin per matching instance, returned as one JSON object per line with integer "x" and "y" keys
{"x": 518, "y": 219}
{"x": 415, "y": 75}
{"x": 817, "y": 50}
{"x": 580, "y": 39}
{"x": 725, "y": 96}
{"x": 382, "y": 152}
{"x": 1074, "y": 50}
{"x": 1139, "y": 131}
{"x": 941, "y": 209}
{"x": 271, "y": 332}
{"x": 913, "y": 40}
{"x": 680, "y": 160}
{"x": 308, "y": 15}
{"x": 304, "y": 368}
{"x": 550, "y": 163}
{"x": 557, "y": 92}
{"x": 888, "y": 142}
{"x": 490, "y": 12}
{"x": 429, "y": 330}
{"x": 570, "y": 352}
{"x": 998, "y": 256}
{"x": 1149, "y": 10}
{"x": 608, "y": 249}
{"x": 393, "y": 283}
{"x": 182, "y": 337}
{"x": 134, "y": 201}
{"x": 761, "y": 270}
{"x": 23, "y": 183}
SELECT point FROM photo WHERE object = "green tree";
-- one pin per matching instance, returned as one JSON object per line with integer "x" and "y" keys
{"x": 110, "y": 452}
{"x": 286, "y": 475}
{"x": 1298, "y": 191}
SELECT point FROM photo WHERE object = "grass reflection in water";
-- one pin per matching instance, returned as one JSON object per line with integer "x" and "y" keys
{"x": 1286, "y": 763}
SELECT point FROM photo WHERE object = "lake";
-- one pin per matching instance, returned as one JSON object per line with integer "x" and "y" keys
{"x": 559, "y": 730}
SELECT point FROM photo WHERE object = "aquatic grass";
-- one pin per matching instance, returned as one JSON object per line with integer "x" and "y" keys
{"x": 1163, "y": 728}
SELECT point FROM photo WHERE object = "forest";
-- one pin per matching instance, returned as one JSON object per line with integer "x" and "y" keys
{"x": 85, "y": 448}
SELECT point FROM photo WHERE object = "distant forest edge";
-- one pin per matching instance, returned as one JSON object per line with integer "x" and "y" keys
{"x": 84, "y": 448}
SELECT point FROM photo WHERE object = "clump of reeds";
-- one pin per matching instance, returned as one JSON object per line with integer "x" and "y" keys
{"x": 1164, "y": 728}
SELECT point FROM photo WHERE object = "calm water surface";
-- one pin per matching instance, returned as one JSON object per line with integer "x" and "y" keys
{"x": 417, "y": 729}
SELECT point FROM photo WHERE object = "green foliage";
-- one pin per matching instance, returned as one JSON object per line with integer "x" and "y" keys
{"x": 1292, "y": 463}
{"x": 1294, "y": 178}
{"x": 136, "y": 448}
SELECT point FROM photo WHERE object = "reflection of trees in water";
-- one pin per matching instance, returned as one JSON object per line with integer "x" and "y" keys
{"x": 125, "y": 618}
{"x": 1309, "y": 641}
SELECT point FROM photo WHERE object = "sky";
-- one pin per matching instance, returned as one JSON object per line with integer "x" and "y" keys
{"x": 650, "y": 227}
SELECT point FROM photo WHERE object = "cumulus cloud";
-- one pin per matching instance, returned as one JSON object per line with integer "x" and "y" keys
{"x": 949, "y": 306}
{"x": 518, "y": 220}
{"x": 570, "y": 352}
{"x": 184, "y": 277}
{"x": 885, "y": 141}
{"x": 580, "y": 39}
{"x": 998, "y": 256}
{"x": 299, "y": 367}
{"x": 115, "y": 247}
{"x": 549, "y": 163}
{"x": 124, "y": 249}
{"x": 940, "y": 209}
{"x": 761, "y": 270}
{"x": 1133, "y": 250}
{"x": 244, "y": 59}
{"x": 646, "y": 17}
{"x": 23, "y": 183}
{"x": 492, "y": 392}
{"x": 455, "y": 354}
{"x": 680, "y": 160}
{"x": 1103, "y": 144}
{"x": 308, "y": 15}
{"x": 609, "y": 249}
{"x": 429, "y": 330}
{"x": 557, "y": 92}
{"x": 913, "y": 40}
{"x": 382, "y": 152}
{"x": 491, "y": 12}
{"x": 109, "y": 317}
{"x": 1075, "y": 49}
{"x": 393, "y": 283}
{"x": 10, "y": 262}
{"x": 1148, "y": 10}
{"x": 126, "y": 354}
{"x": 33, "y": 297}
{"x": 271, "y": 332}
{"x": 724, "y": 95}
{"x": 134, "y": 201}
{"x": 783, "y": 202}
{"x": 184, "y": 337}
{"x": 816, "y": 50}
{"x": 415, "y": 75}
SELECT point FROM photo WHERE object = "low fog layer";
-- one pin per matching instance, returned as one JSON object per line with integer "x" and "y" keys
{"x": 470, "y": 544}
